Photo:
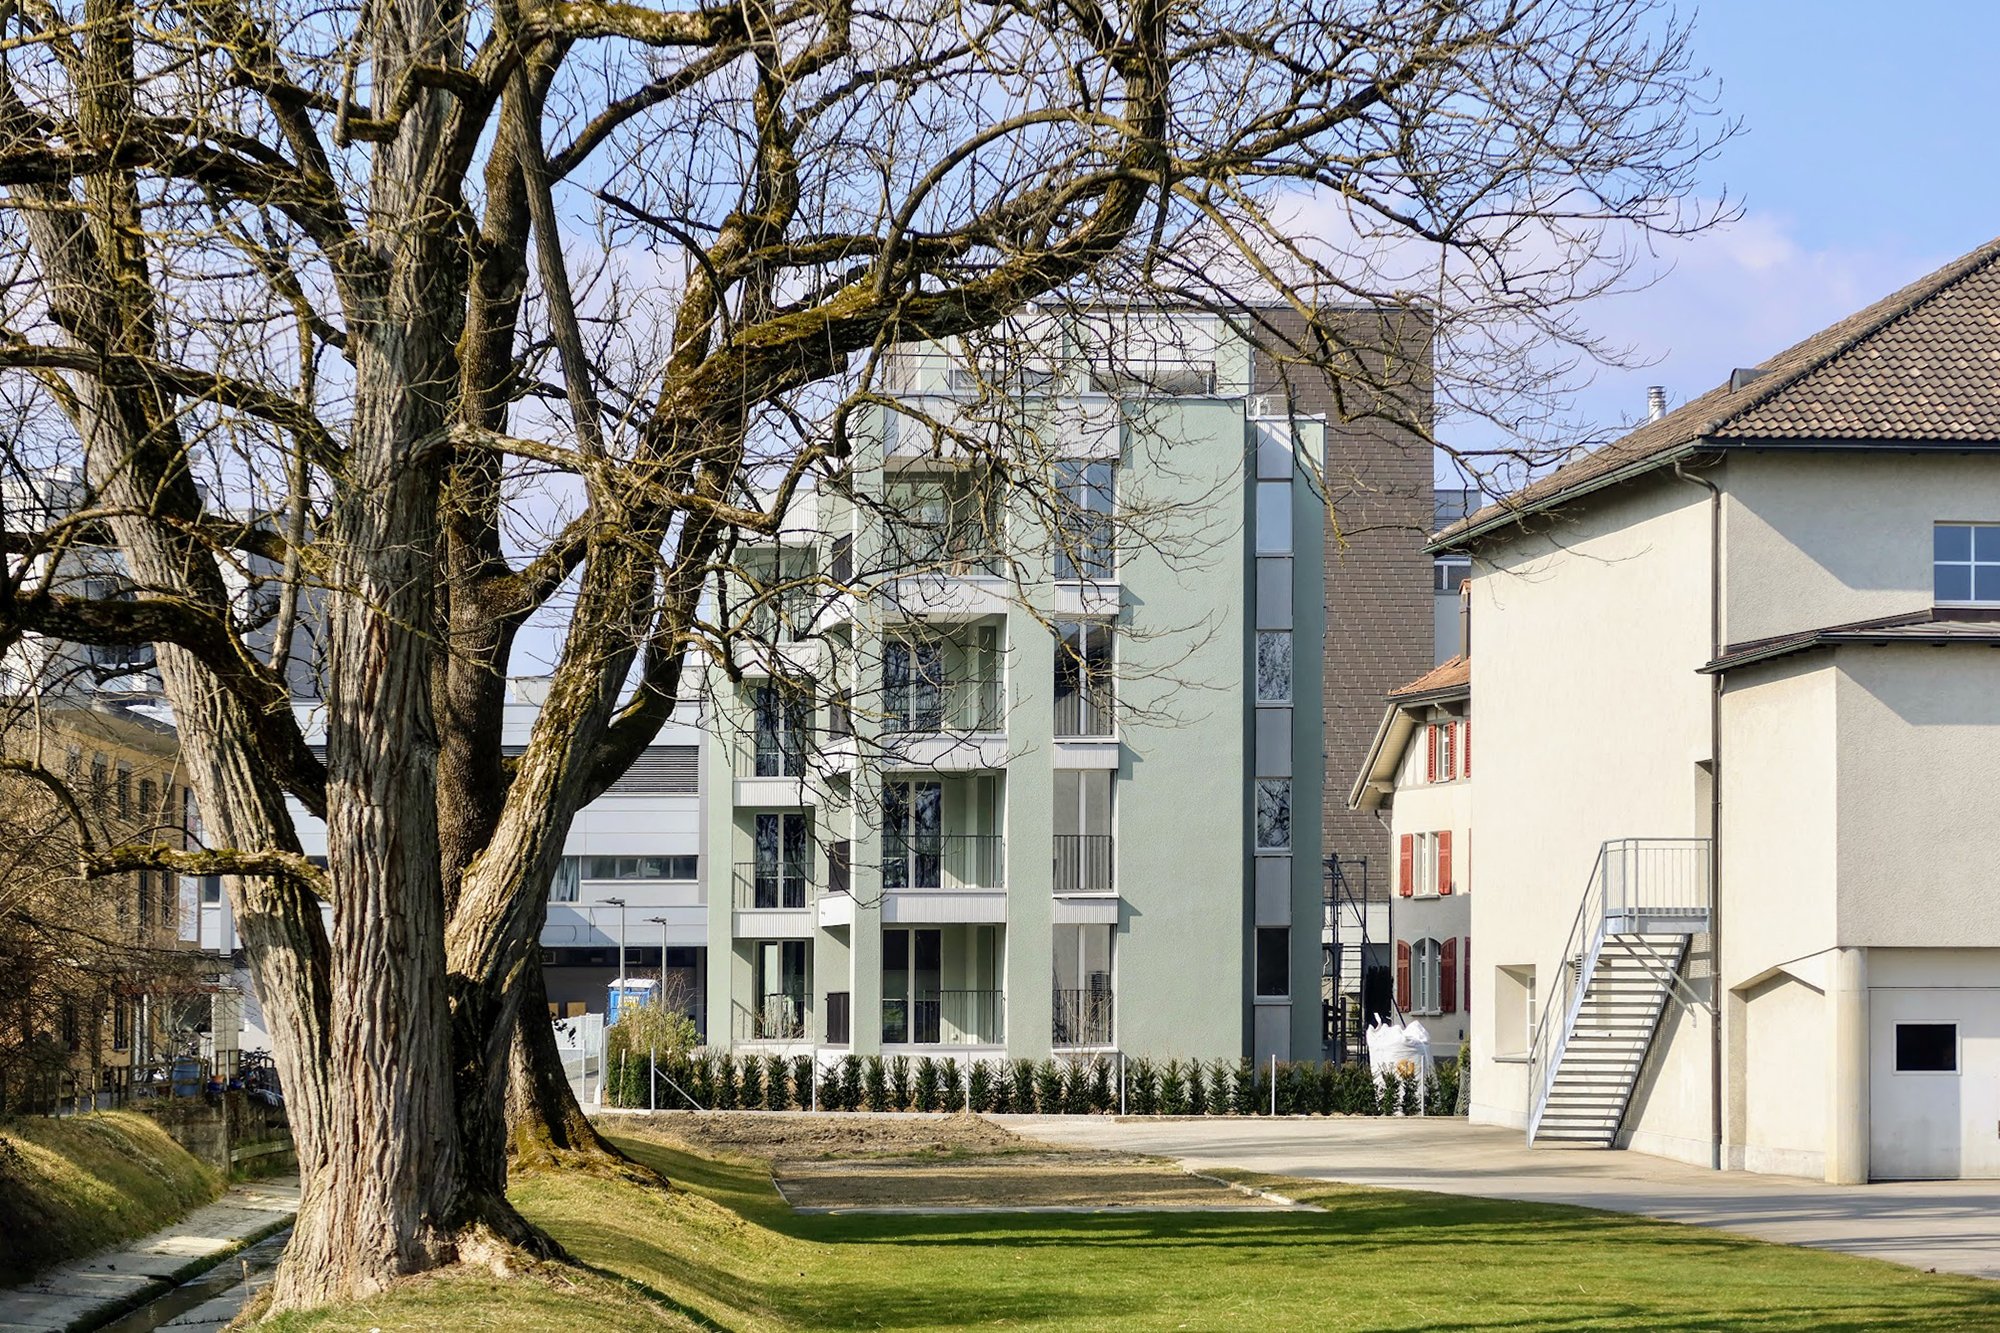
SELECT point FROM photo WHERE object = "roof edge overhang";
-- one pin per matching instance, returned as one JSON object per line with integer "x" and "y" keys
{"x": 1452, "y": 540}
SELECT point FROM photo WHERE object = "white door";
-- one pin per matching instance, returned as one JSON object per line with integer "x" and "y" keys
{"x": 1934, "y": 1083}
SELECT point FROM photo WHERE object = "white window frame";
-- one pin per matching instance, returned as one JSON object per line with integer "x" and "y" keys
{"x": 1957, "y": 1048}
{"x": 1426, "y": 977}
{"x": 1971, "y": 564}
{"x": 1424, "y": 865}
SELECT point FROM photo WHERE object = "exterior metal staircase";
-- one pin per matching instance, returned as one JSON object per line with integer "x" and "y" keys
{"x": 1621, "y": 969}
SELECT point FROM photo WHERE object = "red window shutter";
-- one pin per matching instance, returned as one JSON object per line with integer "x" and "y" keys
{"x": 1465, "y": 961}
{"x": 1448, "y": 977}
{"x": 1403, "y": 975}
{"x": 1431, "y": 758}
{"x": 1406, "y": 864}
{"x": 1444, "y": 861}
{"x": 1467, "y": 745}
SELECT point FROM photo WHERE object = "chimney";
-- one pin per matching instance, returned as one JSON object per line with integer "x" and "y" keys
{"x": 1656, "y": 402}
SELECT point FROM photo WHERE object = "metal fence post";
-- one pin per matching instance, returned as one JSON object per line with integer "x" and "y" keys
{"x": 653, "y": 1078}
{"x": 1274, "y": 1083}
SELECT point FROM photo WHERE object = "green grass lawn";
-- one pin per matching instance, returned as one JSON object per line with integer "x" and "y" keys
{"x": 77, "y": 1184}
{"x": 723, "y": 1251}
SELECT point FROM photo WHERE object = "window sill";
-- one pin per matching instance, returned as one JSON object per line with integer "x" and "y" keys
{"x": 1519, "y": 1059}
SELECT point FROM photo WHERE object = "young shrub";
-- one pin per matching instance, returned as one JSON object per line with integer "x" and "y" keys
{"x": 777, "y": 1083}
{"x": 1103, "y": 1097}
{"x": 925, "y": 1097}
{"x": 951, "y": 1086}
{"x": 1245, "y": 1085}
{"x": 725, "y": 1082}
{"x": 1076, "y": 1087}
{"x": 875, "y": 1085}
{"x": 979, "y": 1088}
{"x": 1326, "y": 1088}
{"x": 850, "y": 1082}
{"x": 1173, "y": 1089}
{"x": 701, "y": 1079}
{"x": 1462, "y": 1103}
{"x": 1221, "y": 1087}
{"x": 899, "y": 1083}
{"x": 1412, "y": 1092}
{"x": 750, "y": 1093}
{"x": 804, "y": 1074}
{"x": 1197, "y": 1089}
{"x": 1391, "y": 1101}
{"x": 1434, "y": 1102}
{"x": 1303, "y": 1077}
{"x": 1024, "y": 1080}
{"x": 1142, "y": 1087}
{"x": 1049, "y": 1088}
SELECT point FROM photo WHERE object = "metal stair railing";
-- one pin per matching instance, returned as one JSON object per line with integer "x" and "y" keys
{"x": 1634, "y": 883}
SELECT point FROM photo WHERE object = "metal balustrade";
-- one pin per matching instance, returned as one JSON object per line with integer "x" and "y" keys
{"x": 768, "y": 886}
{"x": 1083, "y": 863}
{"x": 946, "y": 1018}
{"x": 1082, "y": 1018}
{"x": 943, "y": 861}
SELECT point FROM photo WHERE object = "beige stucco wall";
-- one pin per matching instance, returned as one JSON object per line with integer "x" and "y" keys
{"x": 1800, "y": 553}
{"x": 1919, "y": 799}
{"x": 1784, "y": 1107}
{"x": 1591, "y": 720}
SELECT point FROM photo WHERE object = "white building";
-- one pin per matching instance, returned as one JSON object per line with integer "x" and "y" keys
{"x": 1750, "y": 645}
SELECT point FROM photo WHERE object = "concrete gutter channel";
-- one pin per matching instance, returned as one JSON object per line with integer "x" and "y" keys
{"x": 151, "y": 1282}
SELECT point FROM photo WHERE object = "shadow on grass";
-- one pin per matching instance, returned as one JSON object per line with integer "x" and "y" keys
{"x": 1376, "y": 1260}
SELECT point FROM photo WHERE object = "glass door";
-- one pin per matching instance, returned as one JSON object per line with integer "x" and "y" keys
{"x": 912, "y": 835}
{"x": 784, "y": 858}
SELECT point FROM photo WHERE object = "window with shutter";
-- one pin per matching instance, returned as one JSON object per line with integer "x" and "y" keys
{"x": 1406, "y": 865}
{"x": 1448, "y": 748}
{"x": 1448, "y": 977}
{"x": 1403, "y": 975}
{"x": 1466, "y": 746}
{"x": 1465, "y": 961}
{"x": 1444, "y": 862}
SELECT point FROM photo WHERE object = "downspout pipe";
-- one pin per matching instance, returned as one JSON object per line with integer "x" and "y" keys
{"x": 1716, "y": 997}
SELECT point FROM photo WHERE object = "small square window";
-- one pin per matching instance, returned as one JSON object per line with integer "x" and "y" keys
{"x": 1965, "y": 563}
{"x": 1926, "y": 1048}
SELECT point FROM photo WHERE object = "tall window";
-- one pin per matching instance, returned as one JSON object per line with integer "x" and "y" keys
{"x": 1082, "y": 1000}
{"x": 1966, "y": 563}
{"x": 1087, "y": 496}
{"x": 912, "y": 835}
{"x": 1083, "y": 830}
{"x": 1274, "y": 666}
{"x": 1274, "y": 961}
{"x": 1274, "y": 814}
{"x": 784, "y": 854}
{"x": 568, "y": 880}
{"x": 1083, "y": 678}
{"x": 1425, "y": 960}
{"x": 782, "y": 725}
{"x": 913, "y": 685}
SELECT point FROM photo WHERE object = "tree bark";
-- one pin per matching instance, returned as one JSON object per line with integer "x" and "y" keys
{"x": 547, "y": 1129}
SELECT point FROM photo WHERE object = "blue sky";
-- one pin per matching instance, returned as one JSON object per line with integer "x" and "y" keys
{"x": 1867, "y": 158}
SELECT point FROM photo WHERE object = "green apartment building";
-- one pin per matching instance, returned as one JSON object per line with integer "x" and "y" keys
{"x": 1024, "y": 756}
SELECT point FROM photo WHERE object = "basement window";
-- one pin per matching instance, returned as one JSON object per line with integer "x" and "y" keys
{"x": 1926, "y": 1048}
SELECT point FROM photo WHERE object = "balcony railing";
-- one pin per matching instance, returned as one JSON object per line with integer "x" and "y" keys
{"x": 1082, "y": 1018}
{"x": 839, "y": 1018}
{"x": 1084, "y": 713}
{"x": 1083, "y": 863}
{"x": 773, "y": 886}
{"x": 784, "y": 754}
{"x": 783, "y": 1016}
{"x": 943, "y": 861}
{"x": 927, "y": 707}
{"x": 946, "y": 1018}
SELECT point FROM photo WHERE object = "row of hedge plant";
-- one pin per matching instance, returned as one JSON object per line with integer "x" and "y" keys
{"x": 717, "y": 1080}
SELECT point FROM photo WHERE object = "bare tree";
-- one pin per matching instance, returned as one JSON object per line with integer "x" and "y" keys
{"x": 416, "y": 320}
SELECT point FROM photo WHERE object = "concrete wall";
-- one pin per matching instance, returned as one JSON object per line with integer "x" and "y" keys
{"x": 1592, "y": 719}
{"x": 1826, "y": 538}
{"x": 1779, "y": 1122}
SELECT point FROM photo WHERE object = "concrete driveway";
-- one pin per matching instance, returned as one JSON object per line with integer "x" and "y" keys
{"x": 1952, "y": 1226}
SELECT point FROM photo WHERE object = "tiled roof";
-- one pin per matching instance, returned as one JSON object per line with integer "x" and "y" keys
{"x": 1921, "y": 364}
{"x": 1934, "y": 626}
{"x": 1453, "y": 675}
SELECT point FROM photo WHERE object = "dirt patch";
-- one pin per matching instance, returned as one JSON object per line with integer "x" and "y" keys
{"x": 917, "y": 1162}
{"x": 803, "y": 1136}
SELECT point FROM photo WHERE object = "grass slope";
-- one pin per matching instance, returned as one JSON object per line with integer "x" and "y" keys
{"x": 77, "y": 1184}
{"x": 723, "y": 1251}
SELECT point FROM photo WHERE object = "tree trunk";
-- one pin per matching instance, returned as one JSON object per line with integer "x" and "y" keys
{"x": 547, "y": 1129}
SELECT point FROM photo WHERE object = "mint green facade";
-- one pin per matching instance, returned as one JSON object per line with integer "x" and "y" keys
{"x": 1013, "y": 914}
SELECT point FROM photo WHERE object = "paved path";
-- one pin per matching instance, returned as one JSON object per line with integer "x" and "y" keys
{"x": 94, "y": 1289}
{"x": 1952, "y": 1226}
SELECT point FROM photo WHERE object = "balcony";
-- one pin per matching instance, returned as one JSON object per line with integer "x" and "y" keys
{"x": 839, "y": 1018}
{"x": 946, "y": 1018}
{"x": 781, "y": 1016}
{"x": 927, "y": 707}
{"x": 774, "y": 886}
{"x": 1083, "y": 863}
{"x": 776, "y": 769}
{"x": 946, "y": 861}
{"x": 1082, "y": 1018}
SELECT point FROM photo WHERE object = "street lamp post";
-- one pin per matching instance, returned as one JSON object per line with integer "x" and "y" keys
{"x": 619, "y": 903}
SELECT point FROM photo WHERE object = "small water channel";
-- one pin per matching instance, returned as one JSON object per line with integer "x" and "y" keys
{"x": 226, "y": 1287}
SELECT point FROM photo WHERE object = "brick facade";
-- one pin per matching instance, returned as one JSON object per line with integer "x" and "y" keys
{"x": 1377, "y": 477}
